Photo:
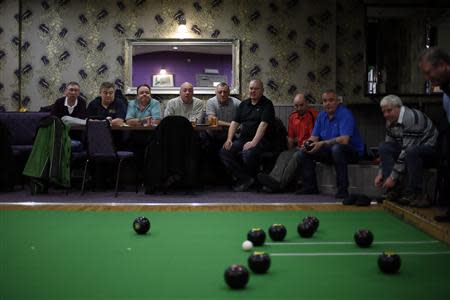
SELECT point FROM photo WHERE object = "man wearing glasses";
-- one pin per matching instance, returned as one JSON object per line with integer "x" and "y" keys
{"x": 71, "y": 104}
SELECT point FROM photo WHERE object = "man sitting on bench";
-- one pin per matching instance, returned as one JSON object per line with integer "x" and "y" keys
{"x": 410, "y": 145}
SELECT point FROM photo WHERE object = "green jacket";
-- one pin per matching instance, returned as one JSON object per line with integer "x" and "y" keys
{"x": 50, "y": 157}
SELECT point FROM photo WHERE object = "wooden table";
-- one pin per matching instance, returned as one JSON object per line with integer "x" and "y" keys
{"x": 151, "y": 128}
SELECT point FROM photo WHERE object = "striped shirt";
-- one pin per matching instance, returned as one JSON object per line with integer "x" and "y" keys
{"x": 412, "y": 128}
{"x": 176, "y": 107}
{"x": 223, "y": 112}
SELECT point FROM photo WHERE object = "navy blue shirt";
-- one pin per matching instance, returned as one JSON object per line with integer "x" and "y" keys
{"x": 117, "y": 109}
{"x": 342, "y": 123}
{"x": 250, "y": 116}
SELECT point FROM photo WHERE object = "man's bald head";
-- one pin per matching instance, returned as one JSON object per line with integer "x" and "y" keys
{"x": 300, "y": 103}
{"x": 256, "y": 89}
{"x": 186, "y": 92}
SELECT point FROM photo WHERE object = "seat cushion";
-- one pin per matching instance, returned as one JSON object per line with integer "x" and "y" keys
{"x": 125, "y": 154}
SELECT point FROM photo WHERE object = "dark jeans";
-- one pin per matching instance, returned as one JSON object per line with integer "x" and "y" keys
{"x": 137, "y": 142}
{"x": 338, "y": 155}
{"x": 417, "y": 158}
{"x": 212, "y": 170}
{"x": 243, "y": 164}
{"x": 212, "y": 142}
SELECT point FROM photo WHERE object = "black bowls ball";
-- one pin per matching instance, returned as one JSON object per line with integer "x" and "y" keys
{"x": 305, "y": 229}
{"x": 277, "y": 232}
{"x": 308, "y": 145}
{"x": 236, "y": 276}
{"x": 363, "y": 238}
{"x": 259, "y": 262}
{"x": 141, "y": 225}
{"x": 389, "y": 262}
{"x": 314, "y": 220}
{"x": 257, "y": 236}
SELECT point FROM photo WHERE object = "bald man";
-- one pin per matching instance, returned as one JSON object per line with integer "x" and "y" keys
{"x": 185, "y": 104}
{"x": 255, "y": 116}
{"x": 300, "y": 126}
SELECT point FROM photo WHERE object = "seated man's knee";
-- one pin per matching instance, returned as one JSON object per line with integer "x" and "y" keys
{"x": 223, "y": 152}
{"x": 385, "y": 148}
{"x": 300, "y": 155}
{"x": 337, "y": 149}
{"x": 248, "y": 155}
{"x": 413, "y": 153}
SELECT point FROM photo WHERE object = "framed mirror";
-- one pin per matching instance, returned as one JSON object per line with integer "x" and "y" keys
{"x": 165, "y": 64}
{"x": 395, "y": 37}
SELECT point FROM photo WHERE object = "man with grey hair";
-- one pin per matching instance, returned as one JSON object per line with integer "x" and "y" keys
{"x": 435, "y": 64}
{"x": 409, "y": 147}
{"x": 222, "y": 106}
{"x": 334, "y": 140}
{"x": 185, "y": 104}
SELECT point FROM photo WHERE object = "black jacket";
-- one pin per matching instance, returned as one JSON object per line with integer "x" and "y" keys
{"x": 172, "y": 158}
{"x": 7, "y": 169}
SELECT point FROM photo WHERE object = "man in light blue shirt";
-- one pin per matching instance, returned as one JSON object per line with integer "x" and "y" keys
{"x": 143, "y": 108}
{"x": 139, "y": 113}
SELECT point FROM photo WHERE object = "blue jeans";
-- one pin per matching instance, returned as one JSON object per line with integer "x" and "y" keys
{"x": 339, "y": 155}
{"x": 417, "y": 158}
{"x": 243, "y": 164}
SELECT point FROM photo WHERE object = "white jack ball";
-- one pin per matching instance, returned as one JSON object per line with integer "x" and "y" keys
{"x": 247, "y": 245}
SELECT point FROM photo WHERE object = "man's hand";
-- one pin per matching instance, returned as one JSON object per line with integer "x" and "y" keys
{"x": 378, "y": 180}
{"x": 227, "y": 145}
{"x": 389, "y": 183}
{"x": 133, "y": 122}
{"x": 316, "y": 146}
{"x": 117, "y": 122}
{"x": 248, "y": 145}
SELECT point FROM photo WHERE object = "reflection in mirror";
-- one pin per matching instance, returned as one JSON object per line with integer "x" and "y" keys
{"x": 165, "y": 64}
{"x": 395, "y": 38}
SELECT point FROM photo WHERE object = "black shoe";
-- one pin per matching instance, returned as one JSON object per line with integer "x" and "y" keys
{"x": 268, "y": 181}
{"x": 244, "y": 186}
{"x": 341, "y": 194}
{"x": 443, "y": 218}
{"x": 407, "y": 198}
{"x": 304, "y": 191}
{"x": 362, "y": 200}
{"x": 266, "y": 189}
{"x": 394, "y": 194}
{"x": 350, "y": 200}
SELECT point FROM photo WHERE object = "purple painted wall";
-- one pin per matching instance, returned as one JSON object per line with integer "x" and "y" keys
{"x": 183, "y": 65}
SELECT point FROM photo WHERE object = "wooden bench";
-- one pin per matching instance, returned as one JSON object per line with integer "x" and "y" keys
{"x": 361, "y": 177}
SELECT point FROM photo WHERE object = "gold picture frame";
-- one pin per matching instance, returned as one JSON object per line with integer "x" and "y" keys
{"x": 163, "y": 80}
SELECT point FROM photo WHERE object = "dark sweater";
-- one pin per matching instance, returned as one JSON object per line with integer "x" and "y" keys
{"x": 60, "y": 110}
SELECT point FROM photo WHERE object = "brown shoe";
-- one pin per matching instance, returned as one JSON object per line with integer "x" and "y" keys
{"x": 421, "y": 201}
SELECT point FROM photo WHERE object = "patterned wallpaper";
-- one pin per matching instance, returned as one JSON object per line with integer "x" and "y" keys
{"x": 291, "y": 45}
